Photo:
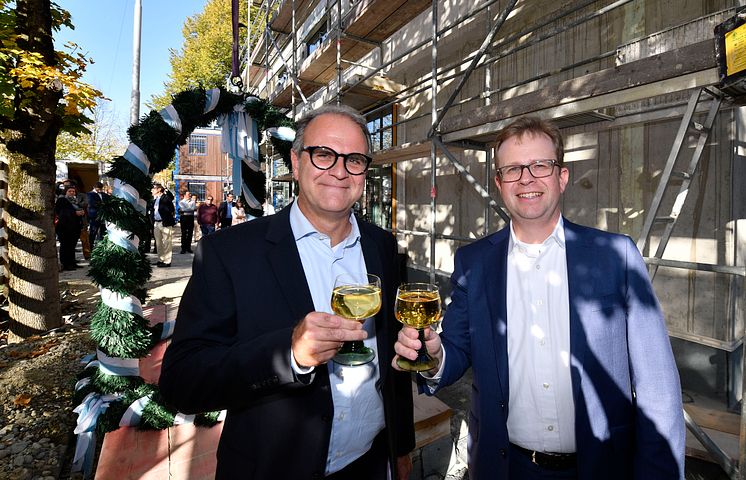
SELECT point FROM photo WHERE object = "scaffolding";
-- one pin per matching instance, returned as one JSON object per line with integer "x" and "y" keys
{"x": 315, "y": 52}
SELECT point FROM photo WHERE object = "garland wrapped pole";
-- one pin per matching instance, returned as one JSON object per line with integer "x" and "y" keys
{"x": 110, "y": 392}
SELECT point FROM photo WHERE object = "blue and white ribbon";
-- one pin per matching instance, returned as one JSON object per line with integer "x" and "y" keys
{"x": 168, "y": 329}
{"x": 211, "y": 99}
{"x": 137, "y": 158}
{"x": 88, "y": 412}
{"x": 127, "y": 303}
{"x": 133, "y": 414}
{"x": 129, "y": 367}
{"x": 181, "y": 419}
{"x": 129, "y": 193}
{"x": 171, "y": 117}
{"x": 122, "y": 238}
{"x": 286, "y": 134}
{"x": 250, "y": 198}
{"x": 82, "y": 383}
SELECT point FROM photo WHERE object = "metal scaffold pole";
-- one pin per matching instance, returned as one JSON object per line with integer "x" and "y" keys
{"x": 433, "y": 151}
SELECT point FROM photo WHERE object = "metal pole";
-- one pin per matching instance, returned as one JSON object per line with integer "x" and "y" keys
{"x": 294, "y": 71}
{"x": 339, "y": 50}
{"x": 268, "y": 37}
{"x": 135, "y": 96}
{"x": 470, "y": 178}
{"x": 433, "y": 152}
{"x": 474, "y": 61}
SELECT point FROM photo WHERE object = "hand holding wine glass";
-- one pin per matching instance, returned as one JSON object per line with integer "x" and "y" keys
{"x": 417, "y": 306}
{"x": 319, "y": 335}
{"x": 356, "y": 300}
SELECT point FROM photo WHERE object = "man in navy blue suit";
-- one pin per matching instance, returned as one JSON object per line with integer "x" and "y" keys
{"x": 573, "y": 371}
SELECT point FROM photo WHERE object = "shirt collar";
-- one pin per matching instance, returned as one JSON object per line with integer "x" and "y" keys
{"x": 302, "y": 227}
{"x": 557, "y": 236}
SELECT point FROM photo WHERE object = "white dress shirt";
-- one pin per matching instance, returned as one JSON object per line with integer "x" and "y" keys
{"x": 541, "y": 410}
{"x": 358, "y": 404}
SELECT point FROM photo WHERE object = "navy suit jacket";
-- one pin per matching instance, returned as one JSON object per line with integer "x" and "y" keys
{"x": 231, "y": 350}
{"x": 629, "y": 422}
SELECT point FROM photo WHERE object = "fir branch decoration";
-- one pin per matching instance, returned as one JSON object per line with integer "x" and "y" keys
{"x": 109, "y": 420}
{"x": 206, "y": 419}
{"x": 156, "y": 138}
{"x": 129, "y": 174}
{"x": 119, "y": 333}
{"x": 189, "y": 104}
{"x": 121, "y": 213}
{"x": 116, "y": 267}
{"x": 107, "y": 270}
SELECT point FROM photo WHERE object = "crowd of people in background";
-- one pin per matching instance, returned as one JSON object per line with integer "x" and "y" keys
{"x": 76, "y": 219}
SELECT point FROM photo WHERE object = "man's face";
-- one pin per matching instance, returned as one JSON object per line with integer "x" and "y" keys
{"x": 327, "y": 194}
{"x": 187, "y": 195}
{"x": 230, "y": 197}
{"x": 532, "y": 202}
{"x": 209, "y": 200}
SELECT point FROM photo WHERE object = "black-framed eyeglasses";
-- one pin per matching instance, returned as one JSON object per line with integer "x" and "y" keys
{"x": 537, "y": 168}
{"x": 324, "y": 158}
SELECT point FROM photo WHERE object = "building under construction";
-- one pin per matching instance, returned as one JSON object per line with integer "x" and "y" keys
{"x": 648, "y": 103}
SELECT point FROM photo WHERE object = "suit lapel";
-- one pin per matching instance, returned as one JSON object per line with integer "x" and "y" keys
{"x": 287, "y": 267}
{"x": 495, "y": 281}
{"x": 578, "y": 254}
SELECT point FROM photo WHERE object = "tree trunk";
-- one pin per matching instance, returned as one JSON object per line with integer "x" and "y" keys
{"x": 33, "y": 289}
{"x": 29, "y": 148}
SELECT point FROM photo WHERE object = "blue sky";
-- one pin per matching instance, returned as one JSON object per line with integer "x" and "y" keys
{"x": 104, "y": 29}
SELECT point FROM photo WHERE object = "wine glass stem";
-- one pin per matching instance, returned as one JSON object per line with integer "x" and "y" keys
{"x": 423, "y": 348}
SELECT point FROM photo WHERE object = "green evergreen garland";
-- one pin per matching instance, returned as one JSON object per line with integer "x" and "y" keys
{"x": 122, "y": 334}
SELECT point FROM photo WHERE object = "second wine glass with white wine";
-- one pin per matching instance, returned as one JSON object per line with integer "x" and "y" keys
{"x": 357, "y": 299}
{"x": 418, "y": 306}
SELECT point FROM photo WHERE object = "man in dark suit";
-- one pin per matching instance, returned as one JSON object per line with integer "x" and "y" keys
{"x": 225, "y": 211}
{"x": 573, "y": 371}
{"x": 255, "y": 334}
{"x": 164, "y": 219}
{"x": 96, "y": 228}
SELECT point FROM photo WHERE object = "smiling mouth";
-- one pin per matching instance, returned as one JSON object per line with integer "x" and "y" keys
{"x": 530, "y": 195}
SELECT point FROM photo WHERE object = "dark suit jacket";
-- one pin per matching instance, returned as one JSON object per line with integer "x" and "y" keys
{"x": 231, "y": 350}
{"x": 223, "y": 210}
{"x": 93, "y": 203}
{"x": 629, "y": 422}
{"x": 166, "y": 210}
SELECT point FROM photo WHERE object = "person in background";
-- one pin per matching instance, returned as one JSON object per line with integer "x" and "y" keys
{"x": 81, "y": 200}
{"x": 68, "y": 224}
{"x": 186, "y": 220}
{"x": 207, "y": 216}
{"x": 574, "y": 377}
{"x": 96, "y": 228}
{"x": 225, "y": 211}
{"x": 238, "y": 213}
{"x": 163, "y": 223}
{"x": 265, "y": 353}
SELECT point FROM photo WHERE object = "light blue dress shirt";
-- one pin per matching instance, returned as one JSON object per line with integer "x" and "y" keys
{"x": 358, "y": 404}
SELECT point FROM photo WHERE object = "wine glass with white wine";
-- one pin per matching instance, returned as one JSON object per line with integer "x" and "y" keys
{"x": 418, "y": 306}
{"x": 356, "y": 300}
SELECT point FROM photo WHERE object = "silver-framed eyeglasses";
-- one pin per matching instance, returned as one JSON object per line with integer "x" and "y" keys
{"x": 537, "y": 168}
{"x": 325, "y": 158}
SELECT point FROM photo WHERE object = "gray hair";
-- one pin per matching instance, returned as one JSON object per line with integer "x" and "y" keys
{"x": 343, "y": 110}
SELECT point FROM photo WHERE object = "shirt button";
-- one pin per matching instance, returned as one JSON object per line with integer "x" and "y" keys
{"x": 545, "y": 385}
{"x": 538, "y": 267}
{"x": 550, "y": 428}
{"x": 502, "y": 452}
{"x": 542, "y": 342}
{"x": 540, "y": 302}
